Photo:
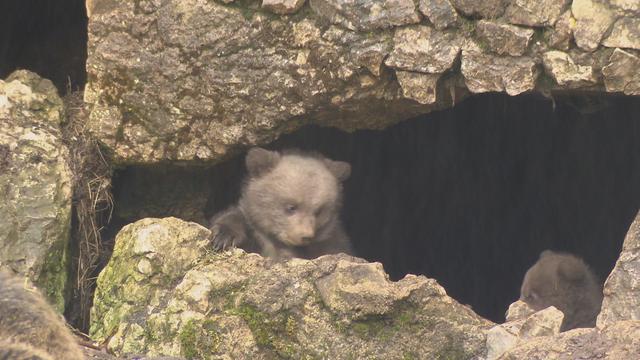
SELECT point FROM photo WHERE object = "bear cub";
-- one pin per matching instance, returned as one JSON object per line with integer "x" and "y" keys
{"x": 29, "y": 327}
{"x": 566, "y": 282}
{"x": 289, "y": 207}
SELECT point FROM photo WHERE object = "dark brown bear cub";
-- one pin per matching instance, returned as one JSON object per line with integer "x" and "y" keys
{"x": 29, "y": 328}
{"x": 566, "y": 282}
{"x": 289, "y": 207}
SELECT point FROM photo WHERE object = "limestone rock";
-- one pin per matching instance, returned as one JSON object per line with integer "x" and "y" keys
{"x": 418, "y": 86}
{"x": 502, "y": 338}
{"x": 195, "y": 80}
{"x": 35, "y": 184}
{"x": 367, "y": 15}
{"x": 487, "y": 9}
{"x": 282, "y": 6}
{"x": 593, "y": 19}
{"x": 440, "y": 12}
{"x": 545, "y": 322}
{"x": 625, "y": 34}
{"x": 622, "y": 288}
{"x": 422, "y": 49}
{"x": 626, "y": 5}
{"x": 504, "y": 38}
{"x": 163, "y": 293}
{"x": 620, "y": 74}
{"x": 617, "y": 341}
{"x": 484, "y": 73}
{"x": 518, "y": 310}
{"x": 566, "y": 72}
{"x": 562, "y": 33}
{"x": 535, "y": 12}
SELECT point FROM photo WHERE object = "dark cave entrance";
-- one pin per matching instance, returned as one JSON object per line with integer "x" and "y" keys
{"x": 469, "y": 196}
{"x": 48, "y": 37}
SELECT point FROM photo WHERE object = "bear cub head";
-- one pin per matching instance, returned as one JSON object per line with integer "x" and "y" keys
{"x": 293, "y": 197}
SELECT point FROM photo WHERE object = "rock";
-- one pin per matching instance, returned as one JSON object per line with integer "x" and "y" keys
{"x": 199, "y": 81}
{"x": 282, "y": 7}
{"x": 626, "y": 5}
{"x": 367, "y": 15}
{"x": 484, "y": 73}
{"x": 593, "y": 19}
{"x": 518, "y": 310}
{"x": 503, "y": 38}
{"x": 35, "y": 184}
{"x": 625, "y": 34}
{"x": 487, "y": 9}
{"x": 566, "y": 72}
{"x": 562, "y": 33}
{"x": 617, "y": 341}
{"x": 422, "y": 49}
{"x": 418, "y": 86}
{"x": 440, "y": 12}
{"x": 163, "y": 293}
{"x": 620, "y": 74}
{"x": 535, "y": 12}
{"x": 622, "y": 288}
{"x": 545, "y": 322}
{"x": 502, "y": 338}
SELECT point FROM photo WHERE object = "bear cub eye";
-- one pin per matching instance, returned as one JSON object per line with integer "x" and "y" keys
{"x": 290, "y": 209}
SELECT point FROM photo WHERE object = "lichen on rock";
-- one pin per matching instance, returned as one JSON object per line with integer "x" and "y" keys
{"x": 162, "y": 284}
{"x": 35, "y": 184}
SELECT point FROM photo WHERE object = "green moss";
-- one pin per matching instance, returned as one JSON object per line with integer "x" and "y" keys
{"x": 272, "y": 331}
{"x": 199, "y": 340}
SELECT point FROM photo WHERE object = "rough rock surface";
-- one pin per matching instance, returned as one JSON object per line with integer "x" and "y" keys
{"x": 422, "y": 49}
{"x": 283, "y": 6}
{"x": 199, "y": 80}
{"x": 504, "y": 38}
{"x": 367, "y": 15}
{"x": 562, "y": 33}
{"x": 535, "y": 12}
{"x": 35, "y": 184}
{"x": 619, "y": 341}
{"x": 593, "y": 19}
{"x": 566, "y": 72}
{"x": 483, "y": 9}
{"x": 621, "y": 74}
{"x": 439, "y": 12}
{"x": 163, "y": 293}
{"x": 622, "y": 288}
{"x": 484, "y": 73}
{"x": 624, "y": 34}
{"x": 502, "y": 338}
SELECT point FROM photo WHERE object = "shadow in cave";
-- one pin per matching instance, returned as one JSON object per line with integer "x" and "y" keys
{"x": 48, "y": 37}
{"x": 469, "y": 196}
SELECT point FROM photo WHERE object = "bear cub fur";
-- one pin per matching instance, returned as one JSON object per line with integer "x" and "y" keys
{"x": 289, "y": 207}
{"x": 566, "y": 282}
{"x": 29, "y": 327}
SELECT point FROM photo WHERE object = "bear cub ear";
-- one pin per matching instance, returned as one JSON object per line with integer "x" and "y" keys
{"x": 340, "y": 169}
{"x": 260, "y": 161}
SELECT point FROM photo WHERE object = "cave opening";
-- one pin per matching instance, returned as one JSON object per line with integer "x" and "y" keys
{"x": 469, "y": 196}
{"x": 48, "y": 37}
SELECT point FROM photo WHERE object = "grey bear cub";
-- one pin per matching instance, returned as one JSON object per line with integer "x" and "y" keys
{"x": 29, "y": 328}
{"x": 566, "y": 282}
{"x": 289, "y": 207}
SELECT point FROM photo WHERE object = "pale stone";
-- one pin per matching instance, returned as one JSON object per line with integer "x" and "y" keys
{"x": 504, "y": 38}
{"x": 535, "y": 12}
{"x": 625, "y": 34}
{"x": 621, "y": 73}
{"x": 418, "y": 86}
{"x": 282, "y": 7}
{"x": 485, "y": 73}
{"x": 593, "y": 19}
{"x": 440, "y": 12}
{"x": 566, "y": 72}
{"x": 422, "y": 49}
